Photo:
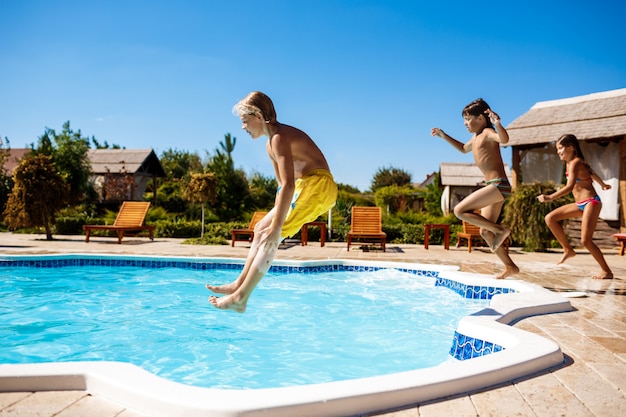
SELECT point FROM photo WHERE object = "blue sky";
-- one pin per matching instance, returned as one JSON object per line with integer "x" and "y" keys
{"x": 366, "y": 79}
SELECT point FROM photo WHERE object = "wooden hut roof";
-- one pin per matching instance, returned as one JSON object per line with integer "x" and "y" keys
{"x": 13, "y": 159}
{"x": 462, "y": 174}
{"x": 134, "y": 161}
{"x": 592, "y": 116}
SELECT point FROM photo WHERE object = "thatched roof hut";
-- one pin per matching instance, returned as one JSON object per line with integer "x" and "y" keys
{"x": 599, "y": 122}
{"x": 591, "y": 117}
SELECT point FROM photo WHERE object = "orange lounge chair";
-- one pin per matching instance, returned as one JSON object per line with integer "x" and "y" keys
{"x": 366, "y": 226}
{"x": 470, "y": 232}
{"x": 130, "y": 219}
{"x": 249, "y": 232}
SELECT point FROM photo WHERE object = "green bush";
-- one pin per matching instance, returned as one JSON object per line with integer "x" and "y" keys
{"x": 524, "y": 215}
{"x": 207, "y": 239}
{"x": 73, "y": 225}
{"x": 70, "y": 221}
{"x": 178, "y": 228}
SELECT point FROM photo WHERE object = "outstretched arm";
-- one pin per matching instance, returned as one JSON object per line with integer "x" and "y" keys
{"x": 459, "y": 146}
{"x": 599, "y": 181}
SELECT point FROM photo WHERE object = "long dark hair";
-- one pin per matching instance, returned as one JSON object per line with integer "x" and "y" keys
{"x": 571, "y": 140}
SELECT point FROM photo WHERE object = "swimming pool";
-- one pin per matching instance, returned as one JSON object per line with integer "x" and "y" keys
{"x": 476, "y": 337}
{"x": 304, "y": 327}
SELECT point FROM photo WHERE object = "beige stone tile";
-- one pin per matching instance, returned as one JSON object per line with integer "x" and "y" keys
{"x": 596, "y": 393}
{"x": 458, "y": 407}
{"x": 548, "y": 397}
{"x": 9, "y": 398}
{"x": 612, "y": 344}
{"x": 91, "y": 406}
{"x": 613, "y": 372}
{"x": 43, "y": 404}
{"x": 502, "y": 401}
{"x": 589, "y": 351}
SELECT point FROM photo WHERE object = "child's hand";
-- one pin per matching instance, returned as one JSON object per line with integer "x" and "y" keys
{"x": 543, "y": 198}
{"x": 435, "y": 131}
{"x": 493, "y": 116}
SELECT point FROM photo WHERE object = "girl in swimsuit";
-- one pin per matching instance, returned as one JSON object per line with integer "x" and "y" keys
{"x": 579, "y": 182}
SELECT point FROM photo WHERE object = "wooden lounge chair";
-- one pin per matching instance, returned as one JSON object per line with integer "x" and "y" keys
{"x": 249, "y": 232}
{"x": 366, "y": 226}
{"x": 470, "y": 232}
{"x": 130, "y": 219}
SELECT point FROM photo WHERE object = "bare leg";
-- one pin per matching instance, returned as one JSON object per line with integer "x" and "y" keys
{"x": 553, "y": 220}
{"x": 489, "y": 200}
{"x": 238, "y": 300}
{"x": 503, "y": 254}
{"x": 589, "y": 223}
{"x": 252, "y": 254}
{"x": 232, "y": 287}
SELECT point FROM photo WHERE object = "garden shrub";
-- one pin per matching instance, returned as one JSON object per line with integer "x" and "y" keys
{"x": 524, "y": 215}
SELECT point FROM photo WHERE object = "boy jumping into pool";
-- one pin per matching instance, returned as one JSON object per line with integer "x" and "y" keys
{"x": 306, "y": 189}
{"x": 485, "y": 146}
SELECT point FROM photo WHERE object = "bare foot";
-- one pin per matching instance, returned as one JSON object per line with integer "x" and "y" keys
{"x": 604, "y": 275}
{"x": 228, "y": 303}
{"x": 567, "y": 253}
{"x": 499, "y": 239}
{"x": 222, "y": 289}
{"x": 508, "y": 271}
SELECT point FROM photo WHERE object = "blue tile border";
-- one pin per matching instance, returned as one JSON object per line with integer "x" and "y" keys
{"x": 472, "y": 291}
{"x": 465, "y": 347}
{"x": 464, "y": 290}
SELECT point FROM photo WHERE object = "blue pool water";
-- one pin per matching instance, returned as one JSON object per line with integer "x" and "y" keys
{"x": 299, "y": 328}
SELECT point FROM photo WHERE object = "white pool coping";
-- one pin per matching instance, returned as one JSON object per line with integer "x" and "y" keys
{"x": 134, "y": 388}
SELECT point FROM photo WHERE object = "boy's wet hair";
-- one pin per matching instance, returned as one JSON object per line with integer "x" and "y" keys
{"x": 258, "y": 104}
{"x": 476, "y": 108}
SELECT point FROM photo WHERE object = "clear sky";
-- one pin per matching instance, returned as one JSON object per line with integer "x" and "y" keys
{"x": 366, "y": 79}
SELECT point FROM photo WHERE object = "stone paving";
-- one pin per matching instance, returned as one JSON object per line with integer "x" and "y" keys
{"x": 591, "y": 381}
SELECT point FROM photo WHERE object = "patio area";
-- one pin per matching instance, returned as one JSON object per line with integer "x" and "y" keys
{"x": 591, "y": 382}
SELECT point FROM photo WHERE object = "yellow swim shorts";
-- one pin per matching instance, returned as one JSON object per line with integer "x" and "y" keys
{"x": 315, "y": 194}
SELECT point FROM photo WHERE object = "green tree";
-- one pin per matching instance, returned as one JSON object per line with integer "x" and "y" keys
{"x": 104, "y": 145}
{"x": 202, "y": 189}
{"x": 348, "y": 188}
{"x": 38, "y": 194}
{"x": 233, "y": 193}
{"x": 180, "y": 164}
{"x": 6, "y": 180}
{"x": 68, "y": 151}
{"x": 386, "y": 177}
{"x": 397, "y": 199}
{"x": 262, "y": 191}
{"x": 432, "y": 197}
